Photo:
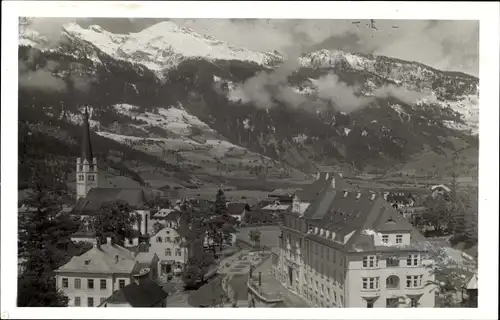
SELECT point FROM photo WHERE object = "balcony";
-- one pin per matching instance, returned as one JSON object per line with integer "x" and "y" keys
{"x": 370, "y": 293}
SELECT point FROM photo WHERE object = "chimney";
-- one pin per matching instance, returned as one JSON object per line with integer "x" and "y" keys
{"x": 346, "y": 193}
{"x": 358, "y": 195}
{"x": 373, "y": 196}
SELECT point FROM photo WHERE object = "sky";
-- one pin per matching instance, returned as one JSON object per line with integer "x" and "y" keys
{"x": 451, "y": 45}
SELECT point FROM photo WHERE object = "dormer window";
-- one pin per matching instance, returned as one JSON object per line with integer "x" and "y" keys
{"x": 87, "y": 262}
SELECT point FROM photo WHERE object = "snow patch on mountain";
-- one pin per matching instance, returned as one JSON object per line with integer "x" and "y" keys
{"x": 174, "y": 119}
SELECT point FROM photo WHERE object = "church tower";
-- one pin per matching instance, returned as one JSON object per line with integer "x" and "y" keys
{"x": 87, "y": 172}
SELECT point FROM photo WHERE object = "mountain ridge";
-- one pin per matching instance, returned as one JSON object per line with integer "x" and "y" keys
{"x": 205, "y": 88}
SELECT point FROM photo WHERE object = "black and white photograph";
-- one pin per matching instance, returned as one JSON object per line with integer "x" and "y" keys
{"x": 168, "y": 162}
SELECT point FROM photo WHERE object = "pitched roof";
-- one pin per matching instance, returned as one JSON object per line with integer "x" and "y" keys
{"x": 102, "y": 260}
{"x": 236, "y": 208}
{"x": 91, "y": 204}
{"x": 311, "y": 192}
{"x": 143, "y": 295}
{"x": 349, "y": 213}
{"x": 145, "y": 257}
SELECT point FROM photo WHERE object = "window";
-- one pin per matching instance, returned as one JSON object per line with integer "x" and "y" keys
{"x": 168, "y": 252}
{"x": 177, "y": 240}
{"x": 91, "y": 177}
{"x": 412, "y": 260}
{"x": 78, "y": 302}
{"x": 328, "y": 292}
{"x": 413, "y": 302}
{"x": 385, "y": 239}
{"x": 81, "y": 177}
{"x": 90, "y": 302}
{"x": 392, "y": 303}
{"x": 327, "y": 253}
{"x": 158, "y": 239}
{"x": 370, "y": 283}
{"x": 90, "y": 284}
{"x": 167, "y": 239}
{"x": 370, "y": 262}
{"x": 399, "y": 238}
{"x": 322, "y": 251}
{"x": 103, "y": 284}
{"x": 178, "y": 252}
{"x": 322, "y": 289}
{"x": 341, "y": 300}
{"x": 335, "y": 297}
{"x": 392, "y": 262}
{"x": 317, "y": 285}
{"x": 121, "y": 283}
{"x": 369, "y": 303}
{"x": 78, "y": 283}
{"x": 102, "y": 300}
{"x": 414, "y": 281}
{"x": 65, "y": 282}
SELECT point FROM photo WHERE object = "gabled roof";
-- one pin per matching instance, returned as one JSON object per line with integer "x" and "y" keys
{"x": 102, "y": 260}
{"x": 143, "y": 295}
{"x": 236, "y": 208}
{"x": 137, "y": 198}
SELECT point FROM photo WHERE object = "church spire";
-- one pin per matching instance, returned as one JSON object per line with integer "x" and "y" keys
{"x": 86, "y": 145}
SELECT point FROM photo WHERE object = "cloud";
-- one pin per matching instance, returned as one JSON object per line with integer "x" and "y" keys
{"x": 345, "y": 98}
{"x": 265, "y": 88}
{"x": 40, "y": 79}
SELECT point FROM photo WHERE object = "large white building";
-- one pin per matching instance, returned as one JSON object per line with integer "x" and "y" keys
{"x": 89, "y": 279}
{"x": 349, "y": 249}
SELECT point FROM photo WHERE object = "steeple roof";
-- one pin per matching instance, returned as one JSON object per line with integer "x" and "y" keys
{"x": 86, "y": 145}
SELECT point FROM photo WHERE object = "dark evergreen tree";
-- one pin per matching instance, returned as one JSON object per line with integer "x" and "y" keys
{"x": 43, "y": 232}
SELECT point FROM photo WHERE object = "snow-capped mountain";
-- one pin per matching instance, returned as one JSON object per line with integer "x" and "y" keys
{"x": 169, "y": 82}
{"x": 163, "y": 46}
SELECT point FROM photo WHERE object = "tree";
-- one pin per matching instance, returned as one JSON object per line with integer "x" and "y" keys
{"x": 192, "y": 228}
{"x": 43, "y": 232}
{"x": 157, "y": 226}
{"x": 117, "y": 222}
{"x": 220, "y": 203}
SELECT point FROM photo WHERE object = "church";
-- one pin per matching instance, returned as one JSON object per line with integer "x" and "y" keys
{"x": 90, "y": 197}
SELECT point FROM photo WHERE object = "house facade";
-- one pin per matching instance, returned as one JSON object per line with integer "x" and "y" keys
{"x": 87, "y": 280}
{"x": 350, "y": 249}
{"x": 168, "y": 245}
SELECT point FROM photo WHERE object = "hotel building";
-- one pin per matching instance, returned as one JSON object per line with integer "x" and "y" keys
{"x": 349, "y": 249}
